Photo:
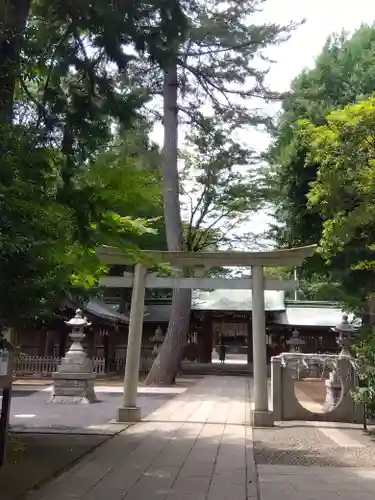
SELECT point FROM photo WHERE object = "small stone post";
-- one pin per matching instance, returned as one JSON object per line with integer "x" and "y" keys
{"x": 129, "y": 411}
{"x": 277, "y": 388}
{"x": 74, "y": 380}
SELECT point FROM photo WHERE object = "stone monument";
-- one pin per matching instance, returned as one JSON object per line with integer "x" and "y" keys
{"x": 74, "y": 380}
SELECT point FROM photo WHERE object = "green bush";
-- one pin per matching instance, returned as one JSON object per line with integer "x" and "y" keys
{"x": 365, "y": 354}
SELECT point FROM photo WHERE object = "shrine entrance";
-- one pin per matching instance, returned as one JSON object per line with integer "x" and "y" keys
{"x": 140, "y": 280}
{"x": 234, "y": 334}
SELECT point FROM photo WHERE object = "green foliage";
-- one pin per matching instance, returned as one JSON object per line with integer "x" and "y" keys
{"x": 317, "y": 288}
{"x": 39, "y": 250}
{"x": 65, "y": 48}
{"x": 365, "y": 358}
{"x": 35, "y": 228}
{"x": 343, "y": 73}
{"x": 223, "y": 61}
{"x": 343, "y": 192}
{"x": 66, "y": 185}
{"x": 219, "y": 184}
{"x": 221, "y": 64}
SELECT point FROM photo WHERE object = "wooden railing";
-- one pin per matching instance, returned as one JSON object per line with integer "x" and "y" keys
{"x": 46, "y": 365}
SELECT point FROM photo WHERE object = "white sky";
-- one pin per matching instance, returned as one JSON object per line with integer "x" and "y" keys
{"x": 323, "y": 17}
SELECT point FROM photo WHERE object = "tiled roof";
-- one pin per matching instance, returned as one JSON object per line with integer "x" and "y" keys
{"x": 100, "y": 309}
{"x": 235, "y": 300}
{"x": 313, "y": 314}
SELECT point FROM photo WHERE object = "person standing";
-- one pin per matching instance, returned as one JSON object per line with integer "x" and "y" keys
{"x": 222, "y": 352}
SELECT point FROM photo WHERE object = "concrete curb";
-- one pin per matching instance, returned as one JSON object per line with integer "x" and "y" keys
{"x": 95, "y": 430}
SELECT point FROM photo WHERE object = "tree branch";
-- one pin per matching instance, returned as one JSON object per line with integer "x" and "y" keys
{"x": 42, "y": 112}
{"x": 221, "y": 49}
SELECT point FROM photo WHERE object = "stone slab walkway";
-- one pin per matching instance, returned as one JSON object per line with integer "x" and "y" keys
{"x": 200, "y": 446}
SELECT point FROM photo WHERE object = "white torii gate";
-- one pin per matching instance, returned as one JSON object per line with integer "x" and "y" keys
{"x": 139, "y": 281}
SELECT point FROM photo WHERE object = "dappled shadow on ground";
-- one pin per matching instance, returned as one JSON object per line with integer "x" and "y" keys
{"x": 197, "y": 447}
{"x": 163, "y": 461}
{"x": 199, "y": 461}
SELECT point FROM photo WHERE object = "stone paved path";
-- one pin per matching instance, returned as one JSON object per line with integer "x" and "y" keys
{"x": 199, "y": 446}
{"x": 30, "y": 411}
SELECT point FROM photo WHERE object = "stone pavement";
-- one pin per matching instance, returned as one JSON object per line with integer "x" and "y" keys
{"x": 200, "y": 446}
{"x": 31, "y": 413}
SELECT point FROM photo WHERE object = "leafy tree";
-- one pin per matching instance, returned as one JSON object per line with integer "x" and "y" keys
{"x": 81, "y": 35}
{"x": 314, "y": 287}
{"x": 59, "y": 106}
{"x": 13, "y": 18}
{"x": 343, "y": 73}
{"x": 343, "y": 192}
{"x": 216, "y": 67}
{"x": 40, "y": 255}
{"x": 220, "y": 187}
{"x": 365, "y": 358}
{"x": 321, "y": 288}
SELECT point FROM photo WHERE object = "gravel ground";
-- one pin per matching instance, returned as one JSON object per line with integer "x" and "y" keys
{"x": 309, "y": 446}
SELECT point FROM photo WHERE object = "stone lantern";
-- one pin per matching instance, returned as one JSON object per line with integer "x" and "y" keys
{"x": 295, "y": 343}
{"x": 157, "y": 340}
{"x": 333, "y": 385}
{"x": 345, "y": 331}
{"x": 74, "y": 380}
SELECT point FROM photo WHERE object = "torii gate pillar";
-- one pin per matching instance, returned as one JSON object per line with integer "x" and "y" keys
{"x": 261, "y": 415}
{"x": 129, "y": 411}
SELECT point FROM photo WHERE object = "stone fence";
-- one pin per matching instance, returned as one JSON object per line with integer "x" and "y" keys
{"x": 339, "y": 405}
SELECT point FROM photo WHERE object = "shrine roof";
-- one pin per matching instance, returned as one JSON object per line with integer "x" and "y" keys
{"x": 235, "y": 300}
{"x": 157, "y": 313}
{"x": 307, "y": 313}
{"x": 101, "y": 310}
{"x": 289, "y": 313}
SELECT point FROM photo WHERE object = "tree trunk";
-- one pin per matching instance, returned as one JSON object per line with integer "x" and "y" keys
{"x": 13, "y": 17}
{"x": 50, "y": 344}
{"x": 63, "y": 339}
{"x": 167, "y": 363}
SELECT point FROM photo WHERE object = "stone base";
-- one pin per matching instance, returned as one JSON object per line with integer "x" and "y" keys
{"x": 262, "y": 418}
{"x": 127, "y": 414}
{"x": 73, "y": 388}
{"x": 72, "y": 400}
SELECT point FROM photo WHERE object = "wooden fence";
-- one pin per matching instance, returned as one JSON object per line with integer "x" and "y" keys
{"x": 45, "y": 366}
